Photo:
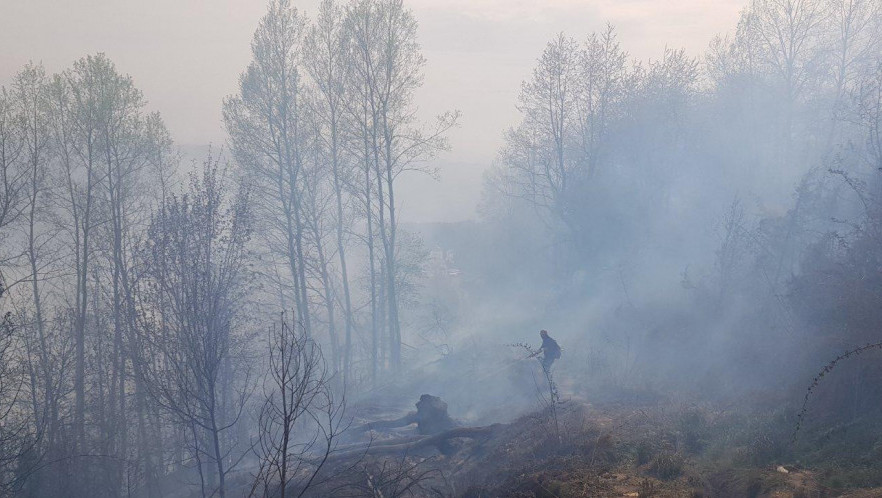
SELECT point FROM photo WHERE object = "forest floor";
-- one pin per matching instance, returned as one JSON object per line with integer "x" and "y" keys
{"x": 658, "y": 451}
{"x": 618, "y": 446}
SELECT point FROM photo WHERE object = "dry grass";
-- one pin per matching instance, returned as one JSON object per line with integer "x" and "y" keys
{"x": 661, "y": 451}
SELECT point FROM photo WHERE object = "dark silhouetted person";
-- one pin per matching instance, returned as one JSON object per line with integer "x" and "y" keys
{"x": 550, "y": 350}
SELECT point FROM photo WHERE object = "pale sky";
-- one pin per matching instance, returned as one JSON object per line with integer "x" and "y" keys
{"x": 186, "y": 55}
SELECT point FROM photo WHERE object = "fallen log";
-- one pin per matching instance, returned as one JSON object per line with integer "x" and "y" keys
{"x": 398, "y": 446}
{"x": 431, "y": 418}
{"x": 410, "y": 418}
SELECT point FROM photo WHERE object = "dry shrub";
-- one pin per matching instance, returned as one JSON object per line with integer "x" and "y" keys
{"x": 667, "y": 465}
{"x": 647, "y": 488}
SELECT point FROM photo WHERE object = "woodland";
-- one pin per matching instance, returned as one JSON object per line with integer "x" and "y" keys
{"x": 702, "y": 235}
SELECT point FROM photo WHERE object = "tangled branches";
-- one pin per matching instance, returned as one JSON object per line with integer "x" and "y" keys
{"x": 817, "y": 380}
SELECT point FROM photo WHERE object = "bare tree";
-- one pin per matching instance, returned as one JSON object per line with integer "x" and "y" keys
{"x": 47, "y": 355}
{"x": 854, "y": 25}
{"x": 77, "y": 112}
{"x": 127, "y": 152}
{"x": 327, "y": 65}
{"x": 19, "y": 434}
{"x": 574, "y": 96}
{"x": 393, "y": 477}
{"x": 13, "y": 177}
{"x": 270, "y": 133}
{"x": 192, "y": 357}
{"x": 386, "y": 70}
{"x": 301, "y": 420}
{"x": 359, "y": 133}
{"x": 539, "y": 151}
{"x": 785, "y": 36}
{"x": 604, "y": 81}
{"x": 866, "y": 112}
{"x": 318, "y": 199}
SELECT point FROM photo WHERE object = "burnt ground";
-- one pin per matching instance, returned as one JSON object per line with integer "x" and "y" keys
{"x": 663, "y": 450}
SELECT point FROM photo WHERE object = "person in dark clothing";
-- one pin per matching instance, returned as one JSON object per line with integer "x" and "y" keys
{"x": 550, "y": 350}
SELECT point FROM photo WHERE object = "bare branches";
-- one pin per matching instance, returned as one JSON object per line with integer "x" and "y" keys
{"x": 13, "y": 177}
{"x": 575, "y": 94}
{"x": 800, "y": 418}
{"x": 191, "y": 356}
{"x": 300, "y": 419}
{"x": 393, "y": 478}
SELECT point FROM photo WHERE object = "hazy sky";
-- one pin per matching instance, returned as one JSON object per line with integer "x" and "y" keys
{"x": 186, "y": 55}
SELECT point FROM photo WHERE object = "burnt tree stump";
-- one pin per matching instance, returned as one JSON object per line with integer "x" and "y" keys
{"x": 431, "y": 417}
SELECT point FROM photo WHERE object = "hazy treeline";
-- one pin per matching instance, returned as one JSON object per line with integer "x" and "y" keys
{"x": 703, "y": 224}
{"x": 714, "y": 209}
{"x": 141, "y": 331}
{"x": 323, "y": 126}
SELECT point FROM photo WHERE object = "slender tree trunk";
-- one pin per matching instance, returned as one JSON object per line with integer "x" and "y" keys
{"x": 48, "y": 394}
{"x": 216, "y": 447}
{"x": 381, "y": 214}
{"x": 294, "y": 262}
{"x": 83, "y": 249}
{"x": 328, "y": 292}
{"x": 372, "y": 258}
{"x": 118, "y": 393}
{"x": 392, "y": 292}
{"x": 341, "y": 249}
{"x": 304, "y": 297}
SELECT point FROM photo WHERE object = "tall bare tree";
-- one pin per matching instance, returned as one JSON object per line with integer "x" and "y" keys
{"x": 270, "y": 134}
{"x": 386, "y": 69}
{"x": 13, "y": 177}
{"x": 77, "y": 113}
{"x": 31, "y": 95}
{"x": 327, "y": 64}
{"x": 542, "y": 160}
